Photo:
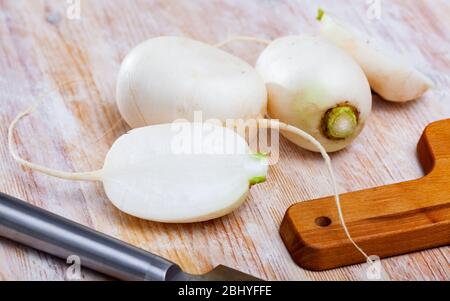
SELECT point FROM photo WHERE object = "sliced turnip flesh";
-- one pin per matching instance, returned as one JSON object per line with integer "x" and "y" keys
{"x": 145, "y": 176}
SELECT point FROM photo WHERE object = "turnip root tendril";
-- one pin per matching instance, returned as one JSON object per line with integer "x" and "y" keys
{"x": 78, "y": 176}
{"x": 270, "y": 123}
{"x": 243, "y": 38}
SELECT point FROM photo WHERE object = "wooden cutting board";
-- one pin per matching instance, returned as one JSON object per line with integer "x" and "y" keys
{"x": 41, "y": 48}
{"x": 384, "y": 221}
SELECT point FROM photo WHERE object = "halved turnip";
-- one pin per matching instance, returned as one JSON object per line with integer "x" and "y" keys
{"x": 161, "y": 173}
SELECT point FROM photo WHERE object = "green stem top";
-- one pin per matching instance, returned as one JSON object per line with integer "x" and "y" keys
{"x": 320, "y": 14}
{"x": 340, "y": 122}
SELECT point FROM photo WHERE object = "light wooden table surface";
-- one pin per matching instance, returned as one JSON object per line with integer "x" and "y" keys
{"x": 43, "y": 48}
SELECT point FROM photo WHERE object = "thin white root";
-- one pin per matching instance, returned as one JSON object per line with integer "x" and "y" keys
{"x": 81, "y": 176}
{"x": 243, "y": 38}
{"x": 275, "y": 124}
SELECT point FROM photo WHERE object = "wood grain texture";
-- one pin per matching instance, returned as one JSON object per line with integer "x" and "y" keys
{"x": 384, "y": 221}
{"x": 41, "y": 50}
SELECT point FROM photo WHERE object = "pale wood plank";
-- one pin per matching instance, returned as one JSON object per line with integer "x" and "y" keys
{"x": 37, "y": 55}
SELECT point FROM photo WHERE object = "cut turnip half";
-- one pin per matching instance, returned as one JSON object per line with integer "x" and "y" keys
{"x": 184, "y": 172}
{"x": 148, "y": 175}
{"x": 389, "y": 74}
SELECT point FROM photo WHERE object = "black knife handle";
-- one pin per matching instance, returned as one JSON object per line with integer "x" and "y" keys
{"x": 45, "y": 231}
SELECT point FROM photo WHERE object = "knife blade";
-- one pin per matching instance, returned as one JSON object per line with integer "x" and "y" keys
{"x": 55, "y": 235}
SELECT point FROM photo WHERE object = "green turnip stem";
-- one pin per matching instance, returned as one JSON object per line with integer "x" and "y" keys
{"x": 320, "y": 14}
{"x": 257, "y": 180}
{"x": 340, "y": 122}
{"x": 275, "y": 124}
{"x": 77, "y": 176}
{"x": 243, "y": 38}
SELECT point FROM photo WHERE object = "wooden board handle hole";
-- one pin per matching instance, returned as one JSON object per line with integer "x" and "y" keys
{"x": 323, "y": 221}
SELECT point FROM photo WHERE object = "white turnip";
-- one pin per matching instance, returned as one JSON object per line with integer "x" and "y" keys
{"x": 317, "y": 87}
{"x": 168, "y": 78}
{"x": 389, "y": 74}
